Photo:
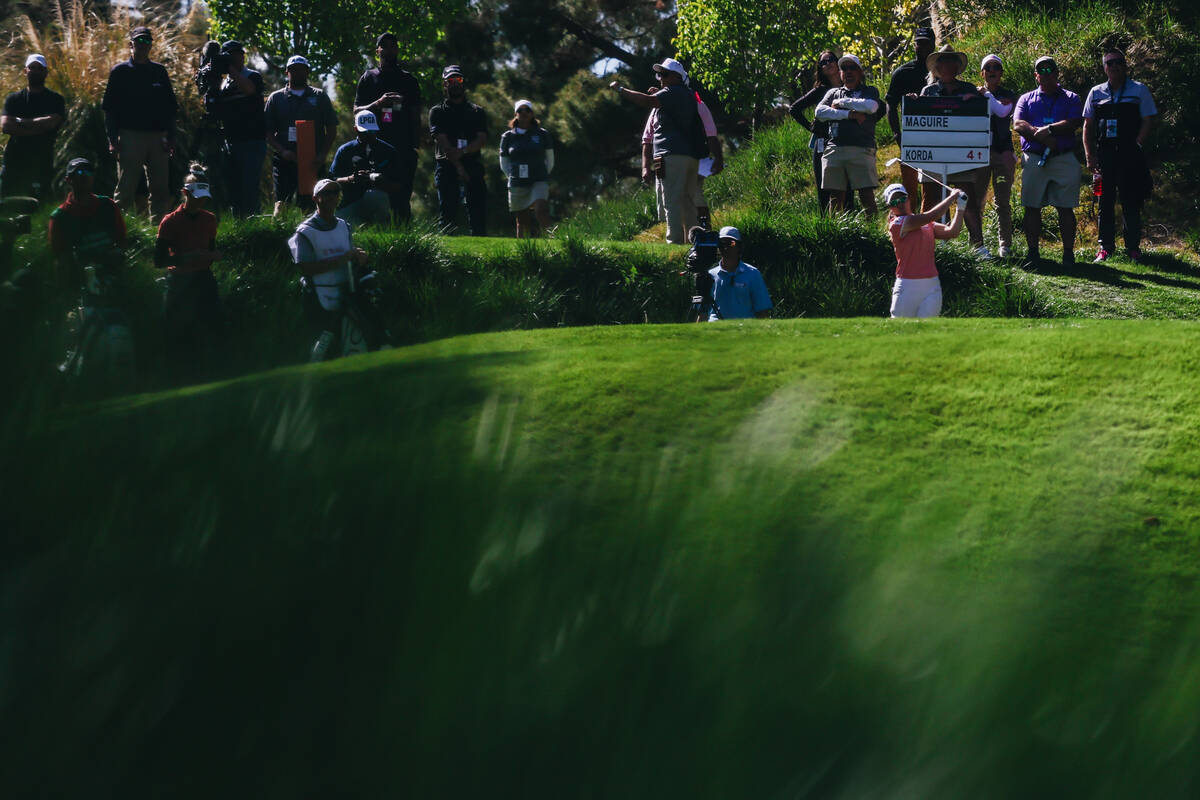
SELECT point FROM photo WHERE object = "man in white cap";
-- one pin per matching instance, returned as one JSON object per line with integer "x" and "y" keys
{"x": 294, "y": 103}
{"x": 31, "y": 118}
{"x": 679, "y": 144}
{"x": 366, "y": 170}
{"x": 739, "y": 291}
{"x": 848, "y": 163}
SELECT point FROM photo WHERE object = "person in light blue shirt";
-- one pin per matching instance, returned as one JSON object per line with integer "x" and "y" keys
{"x": 739, "y": 291}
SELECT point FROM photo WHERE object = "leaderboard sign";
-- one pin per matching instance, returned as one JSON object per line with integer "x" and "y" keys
{"x": 945, "y": 134}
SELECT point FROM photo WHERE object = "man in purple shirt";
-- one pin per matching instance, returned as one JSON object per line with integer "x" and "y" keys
{"x": 1047, "y": 119}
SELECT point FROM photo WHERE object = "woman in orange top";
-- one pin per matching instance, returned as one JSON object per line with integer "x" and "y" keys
{"x": 917, "y": 291}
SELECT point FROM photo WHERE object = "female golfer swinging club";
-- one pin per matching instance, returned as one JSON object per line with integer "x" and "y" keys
{"x": 917, "y": 291}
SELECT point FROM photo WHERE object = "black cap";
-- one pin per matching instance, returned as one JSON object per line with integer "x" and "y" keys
{"x": 76, "y": 164}
{"x": 453, "y": 69}
{"x": 233, "y": 46}
{"x": 140, "y": 30}
{"x": 923, "y": 33}
{"x": 383, "y": 37}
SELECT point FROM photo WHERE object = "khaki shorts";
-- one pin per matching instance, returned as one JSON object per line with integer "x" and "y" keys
{"x": 848, "y": 167}
{"x": 522, "y": 197}
{"x": 1055, "y": 184}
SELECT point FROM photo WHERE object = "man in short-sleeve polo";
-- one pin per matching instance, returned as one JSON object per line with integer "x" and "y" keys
{"x": 1046, "y": 119}
{"x": 739, "y": 291}
{"x": 285, "y": 107}
{"x": 1118, "y": 116}
{"x": 31, "y": 118}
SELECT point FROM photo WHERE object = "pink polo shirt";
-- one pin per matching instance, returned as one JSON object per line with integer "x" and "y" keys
{"x": 914, "y": 250}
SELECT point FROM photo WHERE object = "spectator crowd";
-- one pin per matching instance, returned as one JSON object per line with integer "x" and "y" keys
{"x": 368, "y": 179}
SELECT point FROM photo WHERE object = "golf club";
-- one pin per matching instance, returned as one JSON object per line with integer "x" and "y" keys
{"x": 923, "y": 173}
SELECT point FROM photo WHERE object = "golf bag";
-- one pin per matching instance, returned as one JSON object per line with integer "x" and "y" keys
{"x": 356, "y": 327}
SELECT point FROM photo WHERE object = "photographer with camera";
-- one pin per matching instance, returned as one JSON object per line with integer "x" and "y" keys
{"x": 738, "y": 289}
{"x": 367, "y": 170}
{"x": 237, "y": 106}
{"x": 31, "y": 119}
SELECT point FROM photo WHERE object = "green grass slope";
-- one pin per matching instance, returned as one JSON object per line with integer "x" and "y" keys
{"x": 782, "y": 559}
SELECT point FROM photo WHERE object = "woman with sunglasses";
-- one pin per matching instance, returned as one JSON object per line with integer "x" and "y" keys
{"x": 828, "y": 76}
{"x": 527, "y": 158}
{"x": 1002, "y": 163}
{"x": 187, "y": 247}
{"x": 918, "y": 291}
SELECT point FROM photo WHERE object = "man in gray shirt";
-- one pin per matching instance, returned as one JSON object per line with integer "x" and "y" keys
{"x": 679, "y": 142}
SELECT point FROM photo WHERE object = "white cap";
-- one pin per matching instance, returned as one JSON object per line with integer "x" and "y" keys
{"x": 365, "y": 121}
{"x": 37, "y": 58}
{"x": 517, "y": 105}
{"x": 324, "y": 184}
{"x": 991, "y": 57}
{"x": 730, "y": 232}
{"x": 197, "y": 189}
{"x": 294, "y": 60}
{"x": 893, "y": 189}
{"x": 853, "y": 59}
{"x": 671, "y": 65}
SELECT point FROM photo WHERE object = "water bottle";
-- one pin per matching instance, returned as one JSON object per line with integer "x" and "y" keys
{"x": 1097, "y": 184}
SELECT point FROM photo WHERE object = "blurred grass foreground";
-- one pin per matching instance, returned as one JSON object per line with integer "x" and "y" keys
{"x": 803, "y": 558}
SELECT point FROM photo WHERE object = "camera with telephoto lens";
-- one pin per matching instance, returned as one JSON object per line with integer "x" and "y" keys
{"x": 214, "y": 65}
{"x": 704, "y": 254}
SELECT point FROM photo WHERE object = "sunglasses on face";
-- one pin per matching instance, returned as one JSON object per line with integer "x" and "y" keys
{"x": 849, "y": 68}
{"x": 80, "y": 173}
{"x": 454, "y": 80}
{"x": 143, "y": 40}
{"x": 897, "y": 200}
{"x": 1115, "y": 62}
{"x": 993, "y": 68}
{"x": 825, "y": 62}
{"x": 1047, "y": 70}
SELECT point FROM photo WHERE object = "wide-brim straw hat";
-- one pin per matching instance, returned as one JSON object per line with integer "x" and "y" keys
{"x": 946, "y": 50}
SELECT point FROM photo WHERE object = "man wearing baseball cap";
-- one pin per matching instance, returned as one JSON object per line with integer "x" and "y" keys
{"x": 459, "y": 129}
{"x": 1047, "y": 119}
{"x": 848, "y": 163}
{"x": 86, "y": 228}
{"x": 679, "y": 144}
{"x": 366, "y": 170}
{"x": 739, "y": 291}
{"x": 909, "y": 78}
{"x": 31, "y": 118}
{"x": 297, "y": 102}
{"x": 393, "y": 95}
{"x": 139, "y": 115}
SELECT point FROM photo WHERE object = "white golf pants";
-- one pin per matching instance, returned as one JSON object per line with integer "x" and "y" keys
{"x": 916, "y": 297}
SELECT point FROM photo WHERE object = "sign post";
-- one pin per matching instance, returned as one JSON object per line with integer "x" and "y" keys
{"x": 945, "y": 135}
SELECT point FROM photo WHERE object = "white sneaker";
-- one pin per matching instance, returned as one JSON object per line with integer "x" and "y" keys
{"x": 983, "y": 252}
{"x": 1005, "y": 251}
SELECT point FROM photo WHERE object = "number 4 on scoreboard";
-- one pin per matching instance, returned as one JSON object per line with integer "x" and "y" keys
{"x": 975, "y": 154}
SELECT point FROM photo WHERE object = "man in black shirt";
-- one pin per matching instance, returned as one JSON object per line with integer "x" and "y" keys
{"x": 240, "y": 104}
{"x": 31, "y": 118}
{"x": 139, "y": 115}
{"x": 909, "y": 78}
{"x": 394, "y": 97}
{"x": 294, "y": 103}
{"x": 459, "y": 129}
